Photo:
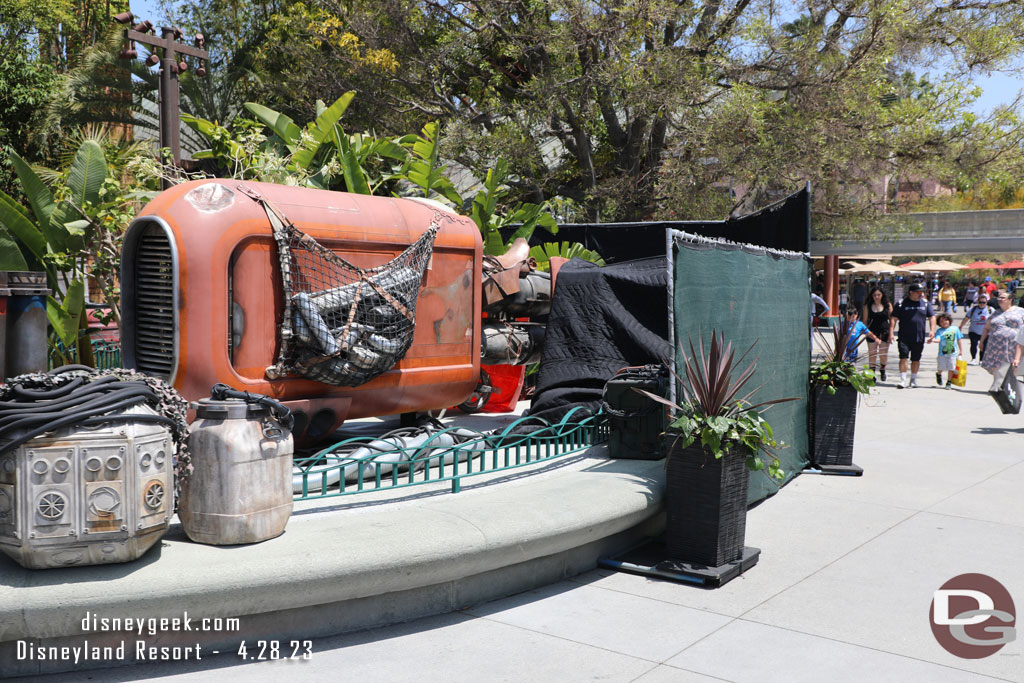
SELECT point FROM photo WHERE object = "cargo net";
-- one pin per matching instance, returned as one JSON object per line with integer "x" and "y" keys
{"x": 344, "y": 325}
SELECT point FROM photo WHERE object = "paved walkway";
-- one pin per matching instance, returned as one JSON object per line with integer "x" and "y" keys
{"x": 841, "y": 593}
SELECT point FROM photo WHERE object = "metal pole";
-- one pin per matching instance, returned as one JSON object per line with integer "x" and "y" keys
{"x": 170, "y": 122}
{"x": 169, "y": 97}
{"x": 832, "y": 285}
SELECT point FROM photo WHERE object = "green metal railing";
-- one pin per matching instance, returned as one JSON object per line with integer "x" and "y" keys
{"x": 364, "y": 464}
{"x": 107, "y": 354}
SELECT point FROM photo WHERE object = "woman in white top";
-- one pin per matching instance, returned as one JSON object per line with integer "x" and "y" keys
{"x": 971, "y": 295}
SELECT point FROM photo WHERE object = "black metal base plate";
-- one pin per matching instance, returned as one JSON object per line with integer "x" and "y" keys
{"x": 850, "y": 470}
{"x": 649, "y": 559}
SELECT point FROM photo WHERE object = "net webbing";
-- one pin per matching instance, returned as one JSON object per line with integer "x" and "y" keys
{"x": 344, "y": 325}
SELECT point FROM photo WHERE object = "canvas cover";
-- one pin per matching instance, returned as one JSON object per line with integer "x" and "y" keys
{"x": 602, "y": 320}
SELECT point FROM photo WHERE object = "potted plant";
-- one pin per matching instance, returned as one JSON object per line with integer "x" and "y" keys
{"x": 715, "y": 439}
{"x": 835, "y": 385}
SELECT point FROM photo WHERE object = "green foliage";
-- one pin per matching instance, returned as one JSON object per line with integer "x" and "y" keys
{"x": 45, "y": 236}
{"x": 423, "y": 169}
{"x": 834, "y": 370}
{"x": 24, "y": 84}
{"x": 568, "y": 250}
{"x": 65, "y": 317}
{"x": 485, "y": 213}
{"x": 98, "y": 89}
{"x": 72, "y": 231}
{"x": 714, "y": 414}
{"x": 322, "y": 155}
{"x": 641, "y": 110}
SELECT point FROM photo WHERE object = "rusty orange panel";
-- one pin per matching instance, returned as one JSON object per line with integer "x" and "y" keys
{"x": 224, "y": 259}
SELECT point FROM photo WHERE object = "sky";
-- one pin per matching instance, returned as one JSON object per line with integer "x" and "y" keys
{"x": 997, "y": 88}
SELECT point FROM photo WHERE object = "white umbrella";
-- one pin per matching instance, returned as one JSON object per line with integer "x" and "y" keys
{"x": 937, "y": 266}
{"x": 874, "y": 267}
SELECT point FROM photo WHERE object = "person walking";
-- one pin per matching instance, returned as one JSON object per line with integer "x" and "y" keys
{"x": 817, "y": 301}
{"x": 975, "y": 318}
{"x": 947, "y": 297}
{"x": 971, "y": 295}
{"x": 999, "y": 339}
{"x": 877, "y": 313}
{"x": 916, "y": 320}
{"x": 951, "y": 347}
{"x": 860, "y": 294}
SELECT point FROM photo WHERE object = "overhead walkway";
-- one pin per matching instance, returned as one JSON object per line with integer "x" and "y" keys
{"x": 942, "y": 233}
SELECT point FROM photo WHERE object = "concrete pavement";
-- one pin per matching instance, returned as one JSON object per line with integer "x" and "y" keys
{"x": 841, "y": 593}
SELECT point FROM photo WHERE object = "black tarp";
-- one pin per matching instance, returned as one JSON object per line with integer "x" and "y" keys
{"x": 784, "y": 225}
{"x": 605, "y": 319}
{"x": 602, "y": 320}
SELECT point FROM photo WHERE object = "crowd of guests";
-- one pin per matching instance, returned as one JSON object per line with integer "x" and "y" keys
{"x": 993, "y": 322}
{"x": 942, "y": 294}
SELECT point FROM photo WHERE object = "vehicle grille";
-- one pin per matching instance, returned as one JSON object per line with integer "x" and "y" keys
{"x": 153, "y": 301}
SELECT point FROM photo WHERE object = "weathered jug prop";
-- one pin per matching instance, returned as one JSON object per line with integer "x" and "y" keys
{"x": 240, "y": 490}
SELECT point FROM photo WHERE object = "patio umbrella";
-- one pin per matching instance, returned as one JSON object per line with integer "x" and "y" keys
{"x": 937, "y": 266}
{"x": 873, "y": 267}
{"x": 908, "y": 264}
{"x": 1012, "y": 265}
{"x": 983, "y": 265}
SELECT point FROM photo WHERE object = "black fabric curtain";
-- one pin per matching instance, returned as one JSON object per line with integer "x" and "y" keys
{"x": 784, "y": 225}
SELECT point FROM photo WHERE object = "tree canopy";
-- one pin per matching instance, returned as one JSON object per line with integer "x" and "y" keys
{"x": 640, "y": 109}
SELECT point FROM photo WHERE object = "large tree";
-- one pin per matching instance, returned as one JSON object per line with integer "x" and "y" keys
{"x": 657, "y": 108}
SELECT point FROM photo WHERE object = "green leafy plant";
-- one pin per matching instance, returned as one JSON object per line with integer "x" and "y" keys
{"x": 423, "y": 167}
{"x": 53, "y": 236}
{"x": 490, "y": 220}
{"x": 568, "y": 250}
{"x": 273, "y": 148}
{"x": 834, "y": 370}
{"x": 714, "y": 414}
{"x": 72, "y": 231}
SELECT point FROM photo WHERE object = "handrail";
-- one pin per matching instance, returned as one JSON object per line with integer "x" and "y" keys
{"x": 361, "y": 464}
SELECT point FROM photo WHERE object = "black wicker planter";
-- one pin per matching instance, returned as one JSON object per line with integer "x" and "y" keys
{"x": 706, "y": 505}
{"x": 834, "y": 420}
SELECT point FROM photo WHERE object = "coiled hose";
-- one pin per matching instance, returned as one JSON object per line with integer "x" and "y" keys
{"x": 281, "y": 412}
{"x": 29, "y": 412}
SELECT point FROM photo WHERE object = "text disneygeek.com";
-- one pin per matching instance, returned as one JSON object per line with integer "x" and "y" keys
{"x": 138, "y": 649}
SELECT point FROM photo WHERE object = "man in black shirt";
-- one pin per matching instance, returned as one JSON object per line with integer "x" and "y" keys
{"x": 916, "y": 320}
{"x": 860, "y": 295}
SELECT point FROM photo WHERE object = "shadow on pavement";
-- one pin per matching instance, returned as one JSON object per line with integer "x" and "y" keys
{"x": 997, "y": 430}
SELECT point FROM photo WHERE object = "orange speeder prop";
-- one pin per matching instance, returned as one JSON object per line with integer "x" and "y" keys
{"x": 202, "y": 299}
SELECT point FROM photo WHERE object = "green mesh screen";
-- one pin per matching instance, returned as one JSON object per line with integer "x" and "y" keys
{"x": 752, "y": 295}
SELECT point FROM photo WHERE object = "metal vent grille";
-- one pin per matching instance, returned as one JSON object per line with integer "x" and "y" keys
{"x": 154, "y": 303}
